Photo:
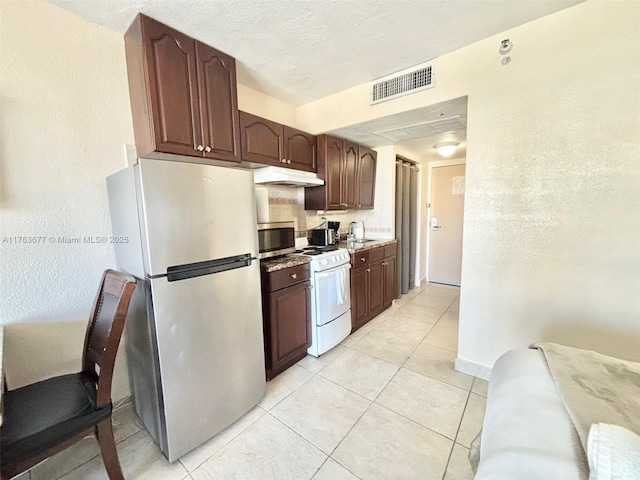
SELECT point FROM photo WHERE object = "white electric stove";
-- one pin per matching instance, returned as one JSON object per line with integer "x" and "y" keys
{"x": 331, "y": 297}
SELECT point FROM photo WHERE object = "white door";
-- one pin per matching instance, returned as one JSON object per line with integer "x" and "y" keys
{"x": 445, "y": 224}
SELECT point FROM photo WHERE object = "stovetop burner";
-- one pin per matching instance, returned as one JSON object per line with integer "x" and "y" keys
{"x": 317, "y": 250}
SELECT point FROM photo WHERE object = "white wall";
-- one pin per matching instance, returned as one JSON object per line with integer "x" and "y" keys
{"x": 65, "y": 120}
{"x": 552, "y": 208}
{"x": 257, "y": 103}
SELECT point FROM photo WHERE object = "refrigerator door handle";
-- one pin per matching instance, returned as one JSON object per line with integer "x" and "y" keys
{"x": 191, "y": 270}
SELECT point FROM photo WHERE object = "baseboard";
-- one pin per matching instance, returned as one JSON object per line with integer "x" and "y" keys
{"x": 472, "y": 368}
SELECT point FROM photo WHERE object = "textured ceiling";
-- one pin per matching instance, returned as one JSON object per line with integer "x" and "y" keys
{"x": 417, "y": 131}
{"x": 299, "y": 51}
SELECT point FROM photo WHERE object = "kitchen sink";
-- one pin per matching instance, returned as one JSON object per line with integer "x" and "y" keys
{"x": 365, "y": 240}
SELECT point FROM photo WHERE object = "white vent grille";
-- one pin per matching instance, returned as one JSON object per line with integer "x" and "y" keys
{"x": 401, "y": 83}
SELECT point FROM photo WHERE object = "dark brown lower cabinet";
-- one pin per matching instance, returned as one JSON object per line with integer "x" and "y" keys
{"x": 373, "y": 279}
{"x": 376, "y": 289}
{"x": 389, "y": 272}
{"x": 359, "y": 297}
{"x": 286, "y": 309}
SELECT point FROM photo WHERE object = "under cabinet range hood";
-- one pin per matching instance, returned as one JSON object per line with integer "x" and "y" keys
{"x": 286, "y": 177}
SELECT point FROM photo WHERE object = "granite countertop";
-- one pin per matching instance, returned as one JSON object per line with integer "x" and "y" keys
{"x": 354, "y": 247}
{"x": 286, "y": 261}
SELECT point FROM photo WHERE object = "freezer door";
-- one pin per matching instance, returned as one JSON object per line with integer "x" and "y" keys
{"x": 191, "y": 213}
{"x": 210, "y": 352}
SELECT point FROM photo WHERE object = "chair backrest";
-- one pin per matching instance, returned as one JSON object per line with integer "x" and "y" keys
{"x": 105, "y": 330}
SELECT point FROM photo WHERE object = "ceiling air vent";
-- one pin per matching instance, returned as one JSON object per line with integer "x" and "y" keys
{"x": 401, "y": 83}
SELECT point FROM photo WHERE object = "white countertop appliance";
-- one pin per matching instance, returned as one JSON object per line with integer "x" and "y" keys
{"x": 357, "y": 229}
{"x": 331, "y": 297}
{"x": 194, "y": 331}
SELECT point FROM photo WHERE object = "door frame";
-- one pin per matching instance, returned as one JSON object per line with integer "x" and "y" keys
{"x": 427, "y": 231}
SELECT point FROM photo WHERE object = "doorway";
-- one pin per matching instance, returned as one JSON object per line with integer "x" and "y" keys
{"x": 446, "y": 216}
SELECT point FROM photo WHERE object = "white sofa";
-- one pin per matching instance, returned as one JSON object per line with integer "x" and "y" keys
{"x": 527, "y": 433}
{"x": 551, "y": 407}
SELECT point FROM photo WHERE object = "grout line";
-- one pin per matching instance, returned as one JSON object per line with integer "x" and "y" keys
{"x": 288, "y": 394}
{"x": 456, "y": 435}
{"x": 344, "y": 466}
{"x": 319, "y": 468}
{"x": 225, "y": 444}
{"x": 348, "y": 432}
{"x": 440, "y": 379}
{"x": 416, "y": 423}
{"x": 324, "y": 366}
{"x": 462, "y": 417}
{"x": 317, "y": 447}
{"x": 346, "y": 388}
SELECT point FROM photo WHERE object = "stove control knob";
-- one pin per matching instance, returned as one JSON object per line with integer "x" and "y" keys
{"x": 323, "y": 262}
{"x": 333, "y": 259}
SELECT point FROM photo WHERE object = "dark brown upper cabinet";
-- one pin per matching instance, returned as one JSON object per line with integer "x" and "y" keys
{"x": 217, "y": 89}
{"x": 366, "y": 178}
{"x": 183, "y": 93}
{"x": 261, "y": 139}
{"x": 349, "y": 182}
{"x": 271, "y": 143}
{"x": 331, "y": 158}
{"x": 300, "y": 149}
{"x": 349, "y": 172}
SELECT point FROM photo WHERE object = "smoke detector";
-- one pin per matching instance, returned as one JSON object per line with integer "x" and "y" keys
{"x": 505, "y": 46}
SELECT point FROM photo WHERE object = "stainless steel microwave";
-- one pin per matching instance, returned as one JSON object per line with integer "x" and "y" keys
{"x": 276, "y": 238}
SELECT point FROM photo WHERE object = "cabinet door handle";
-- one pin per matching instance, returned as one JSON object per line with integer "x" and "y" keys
{"x": 207, "y": 149}
{"x": 362, "y": 259}
{"x": 284, "y": 160}
{"x": 294, "y": 275}
{"x": 200, "y": 148}
{"x": 288, "y": 161}
{"x": 368, "y": 270}
{"x": 359, "y": 205}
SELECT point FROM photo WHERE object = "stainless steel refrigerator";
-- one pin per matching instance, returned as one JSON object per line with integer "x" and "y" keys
{"x": 194, "y": 335}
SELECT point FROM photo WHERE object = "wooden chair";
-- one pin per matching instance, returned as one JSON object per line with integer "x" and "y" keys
{"x": 44, "y": 418}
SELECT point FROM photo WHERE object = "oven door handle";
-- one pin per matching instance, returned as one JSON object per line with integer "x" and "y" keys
{"x": 331, "y": 272}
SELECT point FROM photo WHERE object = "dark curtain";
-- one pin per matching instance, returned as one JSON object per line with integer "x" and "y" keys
{"x": 406, "y": 207}
{"x": 399, "y": 193}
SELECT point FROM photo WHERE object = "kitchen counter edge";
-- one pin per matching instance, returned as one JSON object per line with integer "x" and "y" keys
{"x": 361, "y": 247}
{"x": 280, "y": 263}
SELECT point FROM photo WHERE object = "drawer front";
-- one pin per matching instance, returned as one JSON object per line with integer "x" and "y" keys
{"x": 359, "y": 259}
{"x": 288, "y": 276}
{"x": 376, "y": 254}
{"x": 390, "y": 250}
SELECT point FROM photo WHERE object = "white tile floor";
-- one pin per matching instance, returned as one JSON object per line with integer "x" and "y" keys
{"x": 385, "y": 404}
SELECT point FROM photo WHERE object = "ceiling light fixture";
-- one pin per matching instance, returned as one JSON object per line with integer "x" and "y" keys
{"x": 446, "y": 149}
